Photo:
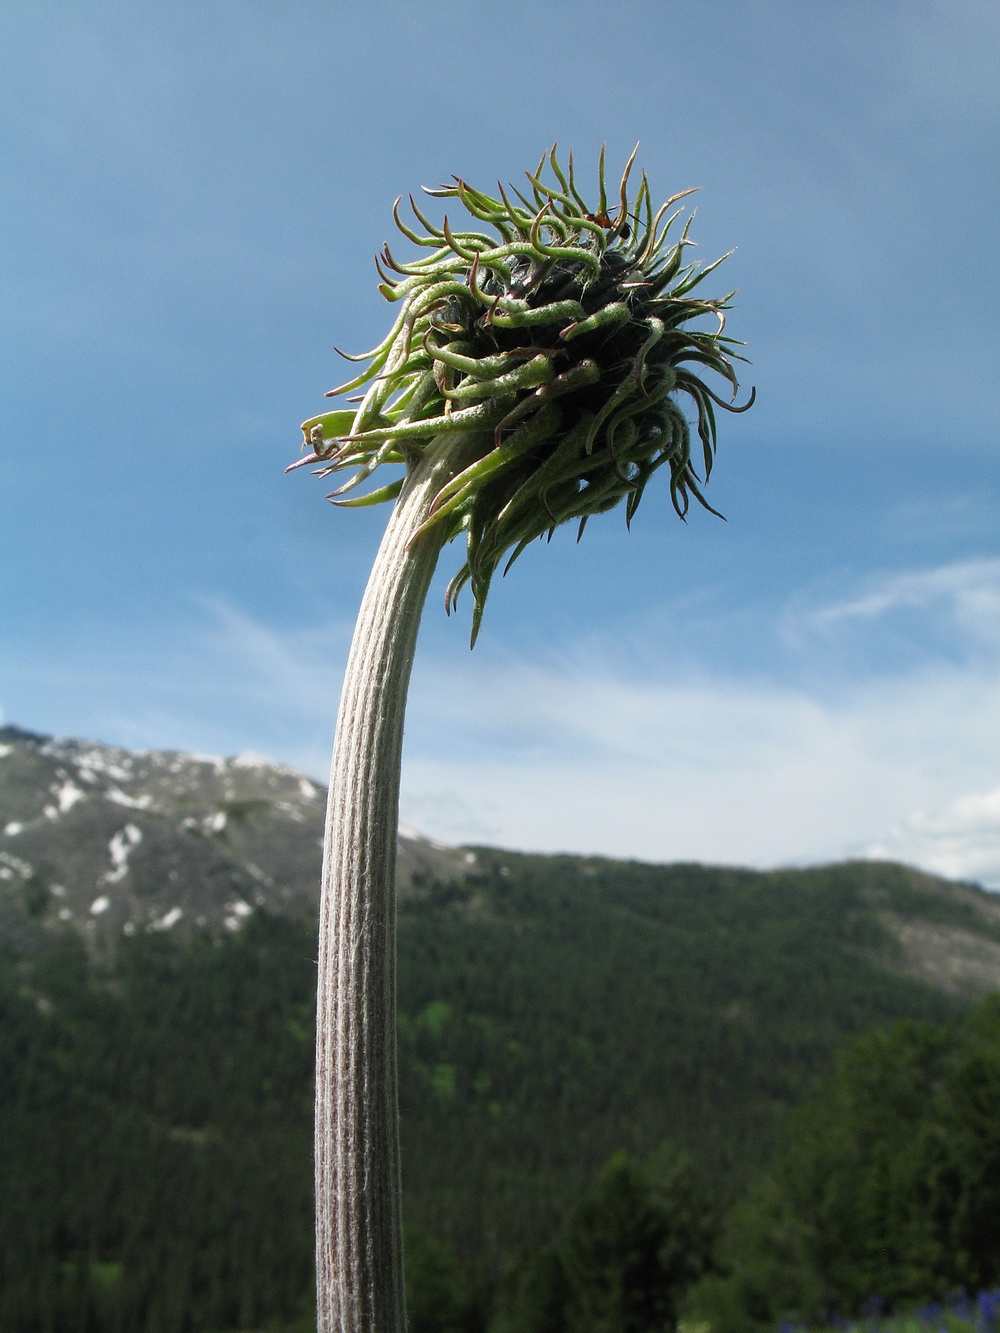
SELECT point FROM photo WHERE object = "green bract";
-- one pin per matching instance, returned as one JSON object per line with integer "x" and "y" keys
{"x": 564, "y": 341}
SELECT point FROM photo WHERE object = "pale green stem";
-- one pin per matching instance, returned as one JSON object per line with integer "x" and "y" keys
{"x": 359, "y": 1267}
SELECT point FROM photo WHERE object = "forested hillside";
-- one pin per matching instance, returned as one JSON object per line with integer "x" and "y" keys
{"x": 155, "y": 1119}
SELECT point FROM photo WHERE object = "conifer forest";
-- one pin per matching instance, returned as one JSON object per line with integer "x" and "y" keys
{"x": 631, "y": 1095}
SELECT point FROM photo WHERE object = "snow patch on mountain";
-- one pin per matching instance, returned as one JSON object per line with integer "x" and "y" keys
{"x": 120, "y": 848}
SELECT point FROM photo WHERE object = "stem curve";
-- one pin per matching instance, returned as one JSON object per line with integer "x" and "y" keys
{"x": 359, "y": 1267}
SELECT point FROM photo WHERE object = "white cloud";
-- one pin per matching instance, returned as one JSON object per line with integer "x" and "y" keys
{"x": 710, "y": 771}
{"x": 276, "y": 665}
{"x": 961, "y": 840}
{"x": 691, "y": 764}
{"x": 964, "y": 594}
{"x": 222, "y": 683}
{"x": 599, "y": 751}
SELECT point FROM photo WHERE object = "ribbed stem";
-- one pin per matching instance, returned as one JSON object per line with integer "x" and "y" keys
{"x": 359, "y": 1266}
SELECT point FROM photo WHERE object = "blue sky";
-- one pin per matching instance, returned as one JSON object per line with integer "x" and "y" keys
{"x": 194, "y": 193}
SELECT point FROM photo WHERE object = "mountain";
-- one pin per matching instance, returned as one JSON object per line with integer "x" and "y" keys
{"x": 157, "y": 918}
{"x": 112, "y": 842}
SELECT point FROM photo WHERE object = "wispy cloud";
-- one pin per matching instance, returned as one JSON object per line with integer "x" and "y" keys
{"x": 965, "y": 594}
{"x": 710, "y": 771}
{"x": 286, "y": 668}
{"x": 961, "y": 840}
{"x": 694, "y": 764}
{"x": 591, "y": 752}
{"x": 220, "y": 682}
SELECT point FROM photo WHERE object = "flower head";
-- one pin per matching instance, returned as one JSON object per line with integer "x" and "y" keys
{"x": 564, "y": 342}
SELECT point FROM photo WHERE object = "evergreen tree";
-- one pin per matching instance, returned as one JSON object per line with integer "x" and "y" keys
{"x": 631, "y": 1249}
{"x": 888, "y": 1183}
{"x": 444, "y": 1294}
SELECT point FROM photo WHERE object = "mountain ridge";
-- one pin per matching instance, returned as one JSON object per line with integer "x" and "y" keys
{"x": 111, "y": 841}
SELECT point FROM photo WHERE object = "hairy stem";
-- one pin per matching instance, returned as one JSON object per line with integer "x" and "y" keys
{"x": 359, "y": 1267}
